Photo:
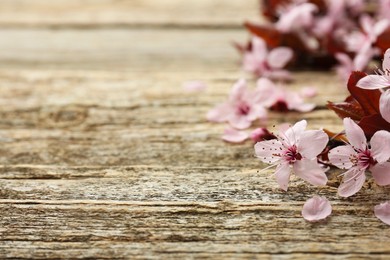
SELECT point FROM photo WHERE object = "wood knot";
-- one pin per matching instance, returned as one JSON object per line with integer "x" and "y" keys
{"x": 62, "y": 117}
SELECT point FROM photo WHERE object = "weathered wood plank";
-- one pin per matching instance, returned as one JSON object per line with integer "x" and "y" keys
{"x": 120, "y": 49}
{"x": 92, "y": 13}
{"x": 187, "y": 228}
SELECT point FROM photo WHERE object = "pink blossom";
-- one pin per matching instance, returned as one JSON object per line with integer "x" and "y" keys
{"x": 358, "y": 157}
{"x": 371, "y": 30}
{"x": 279, "y": 98}
{"x": 267, "y": 64}
{"x": 232, "y": 135}
{"x": 242, "y": 108}
{"x": 316, "y": 208}
{"x": 384, "y": 9}
{"x": 359, "y": 63}
{"x": 379, "y": 81}
{"x": 296, "y": 16}
{"x": 295, "y": 150}
{"x": 382, "y": 211}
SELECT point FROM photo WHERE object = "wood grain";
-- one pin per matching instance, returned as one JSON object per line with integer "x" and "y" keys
{"x": 127, "y": 13}
{"x": 104, "y": 155}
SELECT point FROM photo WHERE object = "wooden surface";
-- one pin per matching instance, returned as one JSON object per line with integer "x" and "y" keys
{"x": 104, "y": 155}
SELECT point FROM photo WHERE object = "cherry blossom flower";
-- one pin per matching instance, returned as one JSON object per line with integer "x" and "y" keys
{"x": 380, "y": 81}
{"x": 242, "y": 108}
{"x": 358, "y": 63}
{"x": 267, "y": 64}
{"x": 382, "y": 212}
{"x": 371, "y": 30}
{"x": 281, "y": 99}
{"x": 295, "y": 150}
{"x": 358, "y": 157}
{"x": 316, "y": 208}
{"x": 296, "y": 16}
{"x": 232, "y": 135}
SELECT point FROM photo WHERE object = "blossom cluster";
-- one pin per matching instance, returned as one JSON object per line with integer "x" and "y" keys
{"x": 246, "y": 106}
{"x": 345, "y": 34}
{"x": 317, "y": 33}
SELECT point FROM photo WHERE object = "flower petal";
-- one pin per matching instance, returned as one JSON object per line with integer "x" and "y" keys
{"x": 238, "y": 90}
{"x": 382, "y": 211}
{"x": 380, "y": 27}
{"x": 384, "y": 105}
{"x": 282, "y": 175}
{"x": 220, "y": 113}
{"x": 312, "y": 143}
{"x": 259, "y": 49}
{"x": 269, "y": 151}
{"x": 293, "y": 134}
{"x": 386, "y": 61}
{"x": 353, "y": 181}
{"x": 239, "y": 122}
{"x": 373, "y": 82}
{"x": 380, "y": 146}
{"x": 234, "y": 136}
{"x": 316, "y": 208}
{"x": 279, "y": 57}
{"x": 381, "y": 173}
{"x": 355, "y": 134}
{"x": 340, "y": 156}
{"x": 310, "y": 171}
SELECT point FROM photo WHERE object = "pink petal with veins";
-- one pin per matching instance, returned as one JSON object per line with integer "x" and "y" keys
{"x": 382, "y": 211}
{"x": 373, "y": 82}
{"x": 381, "y": 173}
{"x": 341, "y": 156}
{"x": 310, "y": 171}
{"x": 380, "y": 146}
{"x": 316, "y": 208}
{"x": 294, "y": 133}
{"x": 312, "y": 143}
{"x": 354, "y": 134}
{"x": 353, "y": 181}
{"x": 267, "y": 151}
{"x": 282, "y": 175}
{"x": 384, "y": 105}
{"x": 232, "y": 135}
{"x": 386, "y": 59}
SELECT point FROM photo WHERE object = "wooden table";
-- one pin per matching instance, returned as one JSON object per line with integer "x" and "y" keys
{"x": 104, "y": 155}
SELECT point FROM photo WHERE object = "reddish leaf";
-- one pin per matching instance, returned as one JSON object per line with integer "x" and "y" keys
{"x": 269, "y": 8}
{"x": 274, "y": 38}
{"x": 368, "y": 99}
{"x": 350, "y": 109}
{"x": 383, "y": 41}
{"x": 373, "y": 123}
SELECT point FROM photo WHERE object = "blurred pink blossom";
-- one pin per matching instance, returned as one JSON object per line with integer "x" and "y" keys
{"x": 242, "y": 108}
{"x": 267, "y": 64}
